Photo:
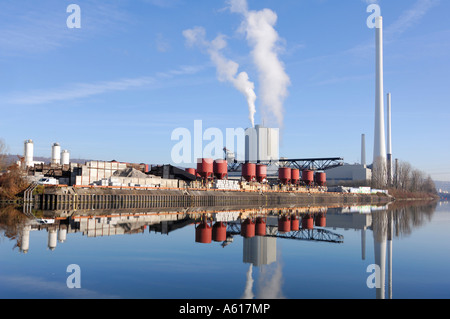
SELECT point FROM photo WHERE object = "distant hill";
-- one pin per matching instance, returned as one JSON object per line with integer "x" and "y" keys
{"x": 445, "y": 186}
{"x": 10, "y": 159}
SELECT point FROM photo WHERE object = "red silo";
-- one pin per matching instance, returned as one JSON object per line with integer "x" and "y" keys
{"x": 219, "y": 231}
{"x": 308, "y": 177}
{"x": 220, "y": 169}
{"x": 321, "y": 179}
{"x": 295, "y": 176}
{"x": 295, "y": 223}
{"x": 307, "y": 222}
{"x": 203, "y": 233}
{"x": 261, "y": 172}
{"x": 260, "y": 227}
{"x": 321, "y": 220}
{"x": 284, "y": 175}
{"x": 205, "y": 168}
{"x": 192, "y": 171}
{"x": 284, "y": 224}
{"x": 248, "y": 228}
{"x": 249, "y": 171}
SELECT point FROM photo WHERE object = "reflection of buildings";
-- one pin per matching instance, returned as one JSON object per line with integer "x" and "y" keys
{"x": 380, "y": 221}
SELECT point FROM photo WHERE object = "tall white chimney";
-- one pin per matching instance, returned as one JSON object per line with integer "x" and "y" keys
{"x": 379, "y": 152}
{"x": 363, "y": 149}
{"x": 389, "y": 139}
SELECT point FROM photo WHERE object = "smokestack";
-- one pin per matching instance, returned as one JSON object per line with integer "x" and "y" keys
{"x": 389, "y": 140}
{"x": 363, "y": 149}
{"x": 379, "y": 152}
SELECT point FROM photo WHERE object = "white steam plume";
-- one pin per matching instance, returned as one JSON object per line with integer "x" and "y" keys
{"x": 264, "y": 40}
{"x": 248, "y": 294}
{"x": 227, "y": 70}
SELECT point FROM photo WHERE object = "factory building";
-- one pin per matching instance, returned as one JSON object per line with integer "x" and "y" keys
{"x": 349, "y": 173}
{"x": 261, "y": 144}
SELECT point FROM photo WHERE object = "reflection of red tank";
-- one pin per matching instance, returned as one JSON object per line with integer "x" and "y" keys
{"x": 248, "y": 228}
{"x": 321, "y": 220}
{"x": 260, "y": 227}
{"x": 261, "y": 172}
{"x": 321, "y": 179}
{"x": 295, "y": 176}
{"x": 203, "y": 233}
{"x": 192, "y": 171}
{"x": 284, "y": 175}
{"x": 220, "y": 169}
{"x": 307, "y": 222}
{"x": 308, "y": 177}
{"x": 219, "y": 231}
{"x": 249, "y": 171}
{"x": 284, "y": 224}
{"x": 205, "y": 168}
{"x": 295, "y": 223}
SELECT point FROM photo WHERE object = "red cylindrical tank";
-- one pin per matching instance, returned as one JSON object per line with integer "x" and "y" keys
{"x": 249, "y": 171}
{"x": 308, "y": 177}
{"x": 220, "y": 169}
{"x": 295, "y": 223}
{"x": 295, "y": 176}
{"x": 248, "y": 228}
{"x": 321, "y": 220}
{"x": 307, "y": 222}
{"x": 203, "y": 233}
{"x": 192, "y": 171}
{"x": 261, "y": 172}
{"x": 260, "y": 227}
{"x": 219, "y": 231}
{"x": 284, "y": 174}
{"x": 205, "y": 167}
{"x": 321, "y": 179}
{"x": 284, "y": 224}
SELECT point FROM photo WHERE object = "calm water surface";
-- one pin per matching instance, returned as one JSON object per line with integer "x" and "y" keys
{"x": 163, "y": 255}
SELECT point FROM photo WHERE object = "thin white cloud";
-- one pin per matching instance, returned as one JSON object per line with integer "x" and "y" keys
{"x": 77, "y": 91}
{"x": 85, "y": 90}
{"x": 42, "y": 28}
{"x": 411, "y": 17}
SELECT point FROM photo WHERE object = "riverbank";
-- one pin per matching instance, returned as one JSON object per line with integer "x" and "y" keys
{"x": 402, "y": 195}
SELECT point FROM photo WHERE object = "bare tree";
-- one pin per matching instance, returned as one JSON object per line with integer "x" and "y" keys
{"x": 379, "y": 173}
{"x": 3, "y": 150}
{"x": 416, "y": 180}
{"x": 403, "y": 175}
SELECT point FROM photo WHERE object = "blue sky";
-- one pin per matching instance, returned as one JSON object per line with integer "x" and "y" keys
{"x": 117, "y": 87}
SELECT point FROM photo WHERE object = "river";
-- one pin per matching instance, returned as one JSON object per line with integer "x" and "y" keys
{"x": 365, "y": 252}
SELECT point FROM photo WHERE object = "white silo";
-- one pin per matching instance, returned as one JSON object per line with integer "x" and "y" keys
{"x": 65, "y": 157}
{"x": 28, "y": 153}
{"x": 56, "y": 153}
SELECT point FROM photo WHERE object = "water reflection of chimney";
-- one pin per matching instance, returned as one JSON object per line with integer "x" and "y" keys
{"x": 379, "y": 232}
{"x": 390, "y": 231}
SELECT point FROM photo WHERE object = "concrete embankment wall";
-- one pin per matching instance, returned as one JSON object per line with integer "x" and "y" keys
{"x": 68, "y": 198}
